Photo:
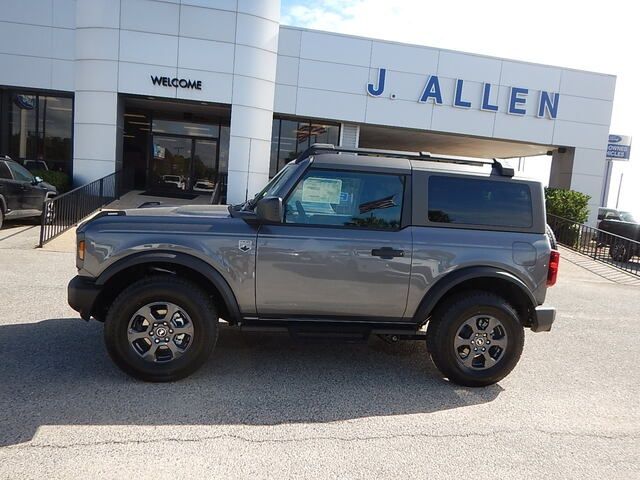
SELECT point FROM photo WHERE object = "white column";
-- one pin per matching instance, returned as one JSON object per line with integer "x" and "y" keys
{"x": 95, "y": 144}
{"x": 254, "y": 75}
{"x": 582, "y": 170}
{"x": 587, "y": 177}
{"x": 561, "y": 167}
{"x": 349, "y": 135}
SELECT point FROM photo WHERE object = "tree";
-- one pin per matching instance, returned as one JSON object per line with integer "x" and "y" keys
{"x": 567, "y": 204}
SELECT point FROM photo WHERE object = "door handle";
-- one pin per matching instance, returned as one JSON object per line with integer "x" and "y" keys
{"x": 387, "y": 253}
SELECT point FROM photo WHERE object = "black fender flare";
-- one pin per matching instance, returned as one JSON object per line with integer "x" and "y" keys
{"x": 181, "y": 259}
{"x": 451, "y": 280}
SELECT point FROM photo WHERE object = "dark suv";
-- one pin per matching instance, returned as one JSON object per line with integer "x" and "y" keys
{"x": 342, "y": 241}
{"x": 21, "y": 194}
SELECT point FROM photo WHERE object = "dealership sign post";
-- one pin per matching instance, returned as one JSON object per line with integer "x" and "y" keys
{"x": 618, "y": 148}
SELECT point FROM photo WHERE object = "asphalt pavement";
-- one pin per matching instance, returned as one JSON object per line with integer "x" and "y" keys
{"x": 265, "y": 406}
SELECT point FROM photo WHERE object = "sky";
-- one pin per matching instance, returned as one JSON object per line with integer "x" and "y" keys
{"x": 587, "y": 35}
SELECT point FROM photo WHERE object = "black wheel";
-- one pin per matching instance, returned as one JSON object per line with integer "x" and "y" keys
{"x": 48, "y": 214}
{"x": 161, "y": 329}
{"x": 475, "y": 338}
{"x": 552, "y": 238}
{"x": 620, "y": 252}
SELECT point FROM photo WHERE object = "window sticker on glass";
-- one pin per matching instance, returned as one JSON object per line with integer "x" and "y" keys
{"x": 321, "y": 190}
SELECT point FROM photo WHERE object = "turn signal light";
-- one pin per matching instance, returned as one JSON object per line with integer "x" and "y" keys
{"x": 81, "y": 250}
{"x": 554, "y": 263}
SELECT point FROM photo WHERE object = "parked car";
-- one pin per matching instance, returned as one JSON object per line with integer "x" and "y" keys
{"x": 204, "y": 185}
{"x": 603, "y": 212}
{"x": 351, "y": 244}
{"x": 35, "y": 165}
{"x": 21, "y": 194}
{"x": 177, "y": 181}
{"x": 622, "y": 224}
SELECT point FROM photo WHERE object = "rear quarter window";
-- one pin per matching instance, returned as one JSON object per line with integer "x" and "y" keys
{"x": 480, "y": 202}
{"x": 4, "y": 171}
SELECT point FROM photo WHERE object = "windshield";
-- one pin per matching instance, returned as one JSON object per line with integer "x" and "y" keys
{"x": 19, "y": 172}
{"x": 627, "y": 217}
{"x": 270, "y": 188}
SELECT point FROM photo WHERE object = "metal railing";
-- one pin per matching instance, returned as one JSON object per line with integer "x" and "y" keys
{"x": 620, "y": 252}
{"x": 67, "y": 210}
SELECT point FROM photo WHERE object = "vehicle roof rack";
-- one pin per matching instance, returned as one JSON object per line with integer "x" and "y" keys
{"x": 478, "y": 162}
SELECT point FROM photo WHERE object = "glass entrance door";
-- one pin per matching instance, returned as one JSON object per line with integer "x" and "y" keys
{"x": 205, "y": 155}
{"x": 181, "y": 163}
{"x": 171, "y": 161}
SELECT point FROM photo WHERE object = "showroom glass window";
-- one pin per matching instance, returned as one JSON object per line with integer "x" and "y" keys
{"x": 337, "y": 198}
{"x": 38, "y": 127}
{"x": 289, "y": 138}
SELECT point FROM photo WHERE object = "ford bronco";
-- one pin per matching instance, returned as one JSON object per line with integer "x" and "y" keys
{"x": 340, "y": 242}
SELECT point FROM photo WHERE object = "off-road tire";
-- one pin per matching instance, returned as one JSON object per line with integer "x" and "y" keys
{"x": 450, "y": 316}
{"x": 161, "y": 288}
{"x": 620, "y": 251}
{"x": 552, "y": 237}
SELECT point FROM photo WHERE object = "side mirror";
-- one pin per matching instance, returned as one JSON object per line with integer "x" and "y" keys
{"x": 37, "y": 180}
{"x": 270, "y": 210}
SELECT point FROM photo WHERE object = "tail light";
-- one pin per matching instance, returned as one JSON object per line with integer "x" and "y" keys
{"x": 554, "y": 262}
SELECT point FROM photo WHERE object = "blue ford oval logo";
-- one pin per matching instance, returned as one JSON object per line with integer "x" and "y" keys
{"x": 615, "y": 138}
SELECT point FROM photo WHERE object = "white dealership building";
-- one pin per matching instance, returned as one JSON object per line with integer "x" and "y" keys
{"x": 180, "y": 94}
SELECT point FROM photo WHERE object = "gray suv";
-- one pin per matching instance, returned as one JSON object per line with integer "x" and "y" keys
{"x": 341, "y": 242}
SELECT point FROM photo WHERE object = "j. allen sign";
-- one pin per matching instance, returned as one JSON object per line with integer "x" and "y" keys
{"x": 546, "y": 107}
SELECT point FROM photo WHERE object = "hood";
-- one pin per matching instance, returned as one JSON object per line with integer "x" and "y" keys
{"x": 48, "y": 187}
{"x": 212, "y": 211}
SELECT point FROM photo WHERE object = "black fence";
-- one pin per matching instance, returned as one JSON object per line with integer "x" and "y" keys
{"x": 66, "y": 210}
{"x": 620, "y": 252}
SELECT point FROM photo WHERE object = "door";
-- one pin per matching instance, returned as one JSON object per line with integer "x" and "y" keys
{"x": 341, "y": 251}
{"x": 204, "y": 174}
{"x": 10, "y": 190}
{"x": 170, "y": 167}
{"x": 31, "y": 197}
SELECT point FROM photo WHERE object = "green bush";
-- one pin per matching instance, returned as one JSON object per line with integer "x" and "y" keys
{"x": 59, "y": 180}
{"x": 567, "y": 204}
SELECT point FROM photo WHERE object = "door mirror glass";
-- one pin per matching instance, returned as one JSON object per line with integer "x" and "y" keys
{"x": 270, "y": 210}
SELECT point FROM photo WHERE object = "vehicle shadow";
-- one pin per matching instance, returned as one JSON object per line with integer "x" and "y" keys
{"x": 57, "y": 372}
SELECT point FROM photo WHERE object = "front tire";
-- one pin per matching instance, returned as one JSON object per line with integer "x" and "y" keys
{"x": 620, "y": 252}
{"x": 475, "y": 338}
{"x": 161, "y": 329}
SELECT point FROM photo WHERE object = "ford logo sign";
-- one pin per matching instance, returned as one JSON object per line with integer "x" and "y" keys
{"x": 615, "y": 138}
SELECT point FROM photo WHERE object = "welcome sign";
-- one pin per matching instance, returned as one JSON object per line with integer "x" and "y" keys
{"x": 176, "y": 82}
{"x": 546, "y": 105}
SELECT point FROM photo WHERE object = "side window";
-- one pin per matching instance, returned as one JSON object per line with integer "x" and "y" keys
{"x": 4, "y": 171}
{"x": 20, "y": 173}
{"x": 473, "y": 201}
{"x": 347, "y": 199}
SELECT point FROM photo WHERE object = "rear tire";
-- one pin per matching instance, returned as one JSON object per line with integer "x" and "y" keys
{"x": 491, "y": 352}
{"x": 161, "y": 329}
{"x": 1, "y": 217}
